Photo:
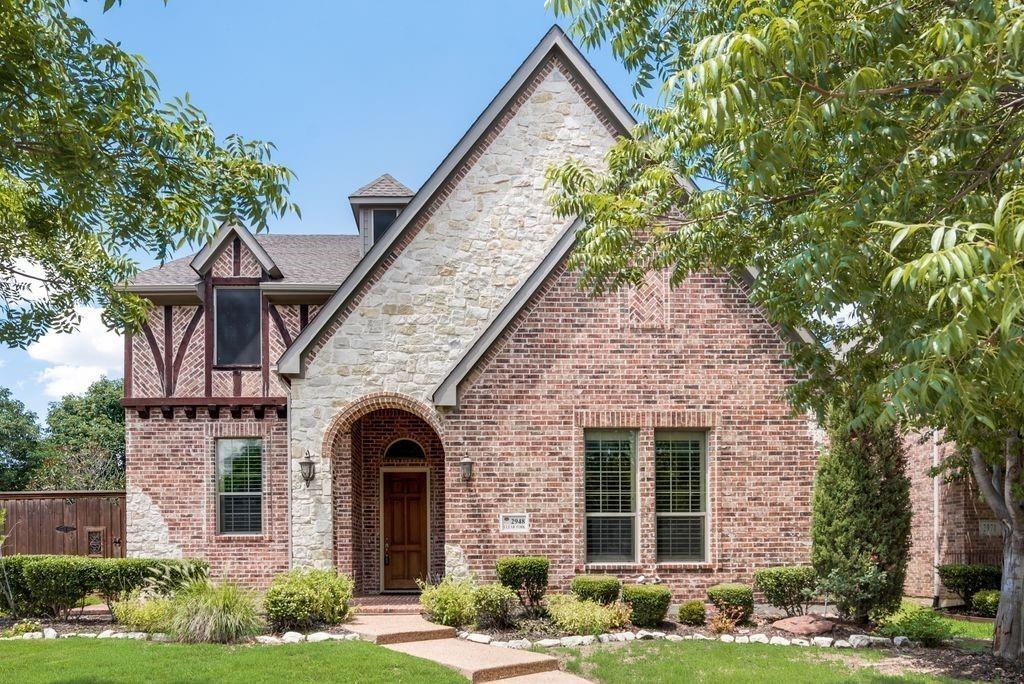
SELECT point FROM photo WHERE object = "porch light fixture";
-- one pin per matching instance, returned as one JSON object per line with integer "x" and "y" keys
{"x": 466, "y": 464}
{"x": 307, "y": 468}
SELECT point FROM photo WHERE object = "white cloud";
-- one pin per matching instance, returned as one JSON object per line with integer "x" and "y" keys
{"x": 79, "y": 358}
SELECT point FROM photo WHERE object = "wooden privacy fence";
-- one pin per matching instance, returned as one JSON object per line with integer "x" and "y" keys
{"x": 77, "y": 523}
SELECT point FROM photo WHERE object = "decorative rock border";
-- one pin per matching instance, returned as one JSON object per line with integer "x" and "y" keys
{"x": 854, "y": 641}
{"x": 268, "y": 639}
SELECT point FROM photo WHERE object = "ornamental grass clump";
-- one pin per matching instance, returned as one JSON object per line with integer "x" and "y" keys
{"x": 223, "y": 613}
{"x": 450, "y": 602}
{"x": 302, "y": 598}
{"x": 574, "y": 616}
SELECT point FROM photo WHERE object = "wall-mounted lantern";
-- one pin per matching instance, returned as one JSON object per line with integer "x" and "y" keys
{"x": 466, "y": 464}
{"x": 307, "y": 468}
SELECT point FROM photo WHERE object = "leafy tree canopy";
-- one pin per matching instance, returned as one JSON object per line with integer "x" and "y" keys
{"x": 866, "y": 159}
{"x": 94, "y": 164}
{"x": 19, "y": 437}
{"x": 93, "y": 419}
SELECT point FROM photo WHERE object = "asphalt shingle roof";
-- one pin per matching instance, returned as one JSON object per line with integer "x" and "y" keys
{"x": 303, "y": 259}
{"x": 385, "y": 186}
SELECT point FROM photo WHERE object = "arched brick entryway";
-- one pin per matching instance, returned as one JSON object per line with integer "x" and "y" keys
{"x": 364, "y": 480}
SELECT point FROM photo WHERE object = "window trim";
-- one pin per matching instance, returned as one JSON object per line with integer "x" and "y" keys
{"x": 635, "y": 515}
{"x": 373, "y": 211}
{"x": 218, "y": 494}
{"x": 688, "y": 435}
{"x": 259, "y": 334}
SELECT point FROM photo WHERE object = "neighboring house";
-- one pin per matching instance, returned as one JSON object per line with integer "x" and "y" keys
{"x": 437, "y": 392}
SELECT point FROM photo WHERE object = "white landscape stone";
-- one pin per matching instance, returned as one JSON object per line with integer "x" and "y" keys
{"x": 87, "y": 635}
{"x": 32, "y": 635}
{"x": 605, "y": 638}
{"x": 778, "y": 641}
{"x": 674, "y": 637}
{"x": 758, "y": 639}
{"x": 587, "y": 639}
{"x": 499, "y": 644}
{"x": 702, "y": 637}
{"x": 292, "y": 637}
{"x": 743, "y": 639}
{"x": 267, "y": 639}
{"x": 859, "y": 640}
{"x": 479, "y": 638}
{"x": 159, "y": 636}
{"x": 463, "y": 635}
{"x": 658, "y": 635}
{"x": 727, "y": 638}
{"x": 884, "y": 642}
{"x": 842, "y": 643}
{"x": 628, "y": 636}
{"x": 549, "y": 643}
{"x": 49, "y": 633}
{"x": 901, "y": 641}
{"x": 800, "y": 642}
{"x": 822, "y": 641}
{"x": 643, "y": 634}
{"x": 519, "y": 643}
{"x": 317, "y": 637}
{"x": 106, "y": 634}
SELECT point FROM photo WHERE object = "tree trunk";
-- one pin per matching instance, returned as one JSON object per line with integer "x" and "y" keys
{"x": 1009, "y": 628}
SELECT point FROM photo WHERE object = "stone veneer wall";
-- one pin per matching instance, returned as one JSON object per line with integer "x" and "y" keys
{"x": 171, "y": 500}
{"x": 700, "y": 357}
{"x": 410, "y": 325}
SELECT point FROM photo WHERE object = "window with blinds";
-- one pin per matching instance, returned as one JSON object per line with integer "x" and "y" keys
{"x": 240, "y": 486}
{"x": 680, "y": 496}
{"x": 610, "y": 496}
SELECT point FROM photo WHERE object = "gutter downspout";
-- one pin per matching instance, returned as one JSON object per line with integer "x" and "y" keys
{"x": 936, "y": 585}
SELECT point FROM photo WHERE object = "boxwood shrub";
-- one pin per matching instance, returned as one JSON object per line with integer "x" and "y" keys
{"x": 734, "y": 600}
{"x": 965, "y": 580}
{"x": 787, "y": 588}
{"x": 986, "y": 602}
{"x": 450, "y": 602}
{"x": 602, "y": 589}
{"x": 648, "y": 603}
{"x": 525, "y": 575}
{"x": 692, "y": 613}
{"x": 301, "y": 598}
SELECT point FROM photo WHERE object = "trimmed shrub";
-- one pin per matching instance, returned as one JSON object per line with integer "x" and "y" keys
{"x": 144, "y": 614}
{"x": 648, "y": 603}
{"x": 525, "y": 575}
{"x": 223, "y": 613}
{"x": 918, "y": 624}
{"x": 575, "y": 616}
{"x": 986, "y": 602}
{"x": 302, "y": 598}
{"x": 494, "y": 604}
{"x": 692, "y": 613}
{"x": 13, "y": 590}
{"x": 603, "y": 589}
{"x": 57, "y": 583}
{"x": 734, "y": 600}
{"x": 861, "y": 515}
{"x": 965, "y": 580}
{"x": 787, "y": 588}
{"x": 450, "y": 602}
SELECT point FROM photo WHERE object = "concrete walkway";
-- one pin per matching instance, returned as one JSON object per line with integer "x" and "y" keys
{"x": 412, "y": 635}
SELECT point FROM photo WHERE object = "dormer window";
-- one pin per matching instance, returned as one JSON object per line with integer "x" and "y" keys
{"x": 236, "y": 312}
{"x": 382, "y": 220}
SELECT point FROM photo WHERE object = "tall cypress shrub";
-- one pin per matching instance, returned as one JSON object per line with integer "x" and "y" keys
{"x": 860, "y": 531}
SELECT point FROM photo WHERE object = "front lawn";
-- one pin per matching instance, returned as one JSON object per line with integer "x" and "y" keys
{"x": 707, "y": 661}
{"x": 117, "y": 660}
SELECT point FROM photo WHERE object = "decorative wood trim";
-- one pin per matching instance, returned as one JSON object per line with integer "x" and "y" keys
{"x": 190, "y": 412}
{"x": 153, "y": 347}
{"x": 258, "y": 411}
{"x": 143, "y": 412}
{"x": 303, "y": 318}
{"x": 211, "y": 402}
{"x": 168, "y": 343}
{"x": 183, "y": 347}
{"x": 236, "y": 256}
{"x": 128, "y": 370}
{"x": 236, "y": 383}
{"x": 236, "y": 412}
{"x": 265, "y": 310}
{"x": 167, "y": 411}
{"x": 279, "y": 322}
{"x": 282, "y": 411}
{"x": 236, "y": 282}
{"x": 208, "y": 333}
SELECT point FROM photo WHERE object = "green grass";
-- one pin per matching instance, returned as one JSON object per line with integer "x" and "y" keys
{"x": 82, "y": 660}
{"x": 963, "y": 629}
{"x": 701, "y": 661}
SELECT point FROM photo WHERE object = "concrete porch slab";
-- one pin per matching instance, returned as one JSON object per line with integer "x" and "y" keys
{"x": 396, "y": 629}
{"x": 477, "y": 662}
{"x": 553, "y": 677}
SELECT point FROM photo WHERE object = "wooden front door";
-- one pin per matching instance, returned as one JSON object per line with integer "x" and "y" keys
{"x": 404, "y": 529}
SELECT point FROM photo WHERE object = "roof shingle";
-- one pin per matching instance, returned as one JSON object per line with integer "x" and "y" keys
{"x": 385, "y": 186}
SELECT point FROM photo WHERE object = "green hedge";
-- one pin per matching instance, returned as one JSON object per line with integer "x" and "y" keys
{"x": 734, "y": 600}
{"x": 525, "y": 575}
{"x": 965, "y": 580}
{"x": 788, "y": 588}
{"x": 692, "y": 613}
{"x": 603, "y": 589}
{"x": 301, "y": 598}
{"x": 649, "y": 603}
{"x": 986, "y": 602}
{"x": 50, "y": 586}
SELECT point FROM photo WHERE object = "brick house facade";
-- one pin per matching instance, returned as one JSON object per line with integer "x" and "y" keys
{"x": 436, "y": 391}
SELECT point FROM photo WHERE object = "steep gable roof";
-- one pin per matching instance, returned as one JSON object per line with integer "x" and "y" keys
{"x": 555, "y": 41}
{"x": 384, "y": 186}
{"x": 203, "y": 261}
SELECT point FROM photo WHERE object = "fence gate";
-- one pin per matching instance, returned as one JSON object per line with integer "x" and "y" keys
{"x": 76, "y": 523}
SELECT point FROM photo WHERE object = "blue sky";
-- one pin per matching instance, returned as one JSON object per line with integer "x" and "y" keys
{"x": 346, "y": 90}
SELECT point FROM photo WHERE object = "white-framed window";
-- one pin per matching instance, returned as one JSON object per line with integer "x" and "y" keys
{"x": 236, "y": 312}
{"x": 609, "y": 464}
{"x": 680, "y": 496}
{"x": 240, "y": 485}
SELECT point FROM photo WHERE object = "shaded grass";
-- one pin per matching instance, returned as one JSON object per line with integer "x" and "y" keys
{"x": 81, "y": 660}
{"x": 704, "y": 661}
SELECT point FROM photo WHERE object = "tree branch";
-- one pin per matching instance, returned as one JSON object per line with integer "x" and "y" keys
{"x": 993, "y": 496}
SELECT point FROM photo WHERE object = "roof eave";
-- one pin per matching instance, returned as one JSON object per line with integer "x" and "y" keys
{"x": 203, "y": 260}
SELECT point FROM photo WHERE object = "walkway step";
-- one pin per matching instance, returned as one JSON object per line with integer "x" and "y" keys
{"x": 480, "y": 663}
{"x": 397, "y": 629}
{"x": 553, "y": 677}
